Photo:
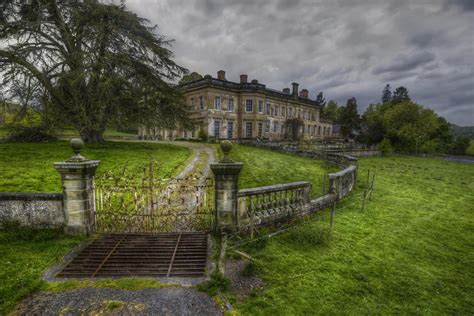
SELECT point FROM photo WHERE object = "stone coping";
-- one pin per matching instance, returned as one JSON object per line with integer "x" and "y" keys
{"x": 83, "y": 164}
{"x": 343, "y": 172}
{"x": 22, "y": 196}
{"x": 273, "y": 188}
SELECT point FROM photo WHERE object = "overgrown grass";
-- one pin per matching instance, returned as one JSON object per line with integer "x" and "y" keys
{"x": 470, "y": 149}
{"x": 25, "y": 254}
{"x": 27, "y": 167}
{"x": 410, "y": 252}
{"x": 264, "y": 167}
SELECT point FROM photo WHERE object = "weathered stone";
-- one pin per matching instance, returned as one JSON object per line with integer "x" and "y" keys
{"x": 36, "y": 210}
{"x": 77, "y": 175}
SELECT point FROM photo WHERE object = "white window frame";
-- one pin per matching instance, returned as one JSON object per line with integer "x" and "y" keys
{"x": 230, "y": 106}
{"x": 217, "y": 103}
{"x": 247, "y": 130}
{"x": 260, "y": 106}
{"x": 267, "y": 108}
{"x": 249, "y": 105}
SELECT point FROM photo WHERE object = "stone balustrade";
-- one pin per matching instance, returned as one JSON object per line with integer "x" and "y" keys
{"x": 273, "y": 203}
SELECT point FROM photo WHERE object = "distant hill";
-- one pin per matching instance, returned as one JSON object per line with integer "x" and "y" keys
{"x": 463, "y": 130}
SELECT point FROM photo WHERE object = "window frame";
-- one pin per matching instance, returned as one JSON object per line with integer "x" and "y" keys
{"x": 247, "y": 124}
{"x": 217, "y": 129}
{"x": 248, "y": 103}
{"x": 217, "y": 105}
{"x": 201, "y": 103}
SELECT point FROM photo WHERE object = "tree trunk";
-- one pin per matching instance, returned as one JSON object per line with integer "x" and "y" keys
{"x": 92, "y": 136}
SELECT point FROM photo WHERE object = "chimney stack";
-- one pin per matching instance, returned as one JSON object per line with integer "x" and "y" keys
{"x": 286, "y": 90}
{"x": 243, "y": 78}
{"x": 304, "y": 93}
{"x": 255, "y": 81}
{"x": 295, "y": 89}
{"x": 221, "y": 75}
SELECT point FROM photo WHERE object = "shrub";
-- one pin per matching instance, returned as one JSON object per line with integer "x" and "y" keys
{"x": 250, "y": 269}
{"x": 30, "y": 134}
{"x": 385, "y": 146}
{"x": 218, "y": 282}
{"x": 460, "y": 145}
{"x": 202, "y": 134}
{"x": 430, "y": 146}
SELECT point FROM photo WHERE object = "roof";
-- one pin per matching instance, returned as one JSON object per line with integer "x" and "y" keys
{"x": 250, "y": 87}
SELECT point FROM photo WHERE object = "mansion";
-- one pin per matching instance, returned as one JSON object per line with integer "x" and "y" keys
{"x": 229, "y": 110}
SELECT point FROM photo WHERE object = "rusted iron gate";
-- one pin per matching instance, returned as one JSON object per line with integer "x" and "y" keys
{"x": 125, "y": 204}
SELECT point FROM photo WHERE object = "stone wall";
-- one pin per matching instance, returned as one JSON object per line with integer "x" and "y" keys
{"x": 38, "y": 210}
{"x": 282, "y": 202}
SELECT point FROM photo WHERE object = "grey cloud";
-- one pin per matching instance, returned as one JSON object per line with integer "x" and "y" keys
{"x": 405, "y": 63}
{"x": 344, "y": 48}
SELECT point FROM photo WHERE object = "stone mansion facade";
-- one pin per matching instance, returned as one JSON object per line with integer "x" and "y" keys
{"x": 229, "y": 110}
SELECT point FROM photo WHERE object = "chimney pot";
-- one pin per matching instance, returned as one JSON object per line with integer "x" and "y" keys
{"x": 295, "y": 88}
{"x": 286, "y": 90}
{"x": 304, "y": 93}
{"x": 221, "y": 75}
{"x": 243, "y": 78}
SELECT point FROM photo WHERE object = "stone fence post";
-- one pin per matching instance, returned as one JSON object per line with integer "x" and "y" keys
{"x": 77, "y": 176}
{"x": 226, "y": 174}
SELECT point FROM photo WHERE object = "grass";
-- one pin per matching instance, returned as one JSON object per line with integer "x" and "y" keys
{"x": 25, "y": 254}
{"x": 410, "y": 252}
{"x": 470, "y": 149}
{"x": 264, "y": 167}
{"x": 27, "y": 167}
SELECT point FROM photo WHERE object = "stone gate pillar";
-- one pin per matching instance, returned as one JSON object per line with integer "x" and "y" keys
{"x": 77, "y": 176}
{"x": 226, "y": 174}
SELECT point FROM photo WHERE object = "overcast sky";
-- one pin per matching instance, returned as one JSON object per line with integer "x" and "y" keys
{"x": 343, "y": 48}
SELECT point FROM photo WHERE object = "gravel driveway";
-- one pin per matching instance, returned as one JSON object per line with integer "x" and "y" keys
{"x": 105, "y": 301}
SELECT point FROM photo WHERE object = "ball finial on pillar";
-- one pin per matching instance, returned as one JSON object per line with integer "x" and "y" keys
{"x": 226, "y": 147}
{"x": 76, "y": 144}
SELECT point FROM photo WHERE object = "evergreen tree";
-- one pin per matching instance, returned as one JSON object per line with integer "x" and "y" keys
{"x": 321, "y": 100}
{"x": 400, "y": 95}
{"x": 89, "y": 64}
{"x": 350, "y": 120}
{"x": 387, "y": 94}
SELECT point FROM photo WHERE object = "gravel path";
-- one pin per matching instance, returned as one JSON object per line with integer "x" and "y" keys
{"x": 105, "y": 301}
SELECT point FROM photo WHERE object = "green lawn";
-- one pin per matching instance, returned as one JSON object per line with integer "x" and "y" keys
{"x": 27, "y": 167}
{"x": 24, "y": 256}
{"x": 264, "y": 167}
{"x": 470, "y": 149}
{"x": 410, "y": 252}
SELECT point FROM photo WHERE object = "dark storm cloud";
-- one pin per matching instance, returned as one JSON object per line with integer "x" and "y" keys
{"x": 405, "y": 63}
{"x": 344, "y": 48}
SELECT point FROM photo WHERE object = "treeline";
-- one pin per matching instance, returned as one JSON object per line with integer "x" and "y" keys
{"x": 397, "y": 124}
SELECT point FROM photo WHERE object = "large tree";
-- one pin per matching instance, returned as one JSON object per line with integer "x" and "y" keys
{"x": 88, "y": 64}
{"x": 350, "y": 120}
{"x": 400, "y": 95}
{"x": 321, "y": 100}
{"x": 387, "y": 94}
{"x": 332, "y": 111}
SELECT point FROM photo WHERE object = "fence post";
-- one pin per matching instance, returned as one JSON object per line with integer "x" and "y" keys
{"x": 77, "y": 176}
{"x": 226, "y": 173}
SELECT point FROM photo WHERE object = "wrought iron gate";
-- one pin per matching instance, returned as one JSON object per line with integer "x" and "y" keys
{"x": 126, "y": 203}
